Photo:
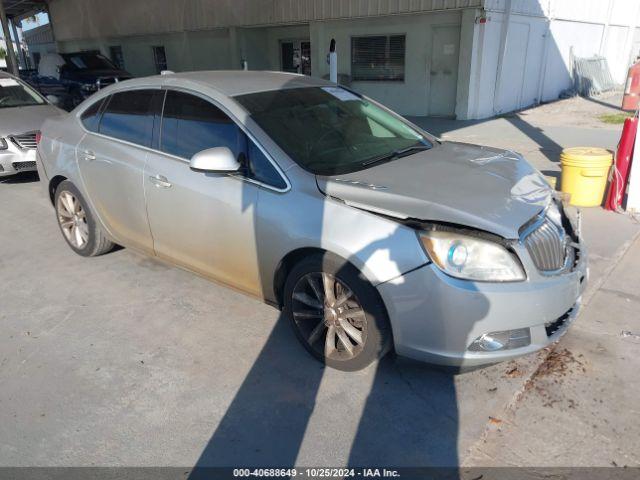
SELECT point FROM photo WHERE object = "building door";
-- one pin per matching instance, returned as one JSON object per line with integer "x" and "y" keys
{"x": 443, "y": 86}
{"x": 296, "y": 56}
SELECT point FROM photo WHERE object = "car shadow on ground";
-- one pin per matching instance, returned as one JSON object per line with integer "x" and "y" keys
{"x": 395, "y": 413}
{"x": 291, "y": 410}
{"x": 409, "y": 416}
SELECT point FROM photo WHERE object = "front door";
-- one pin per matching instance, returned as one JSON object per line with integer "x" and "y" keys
{"x": 203, "y": 221}
{"x": 443, "y": 74}
{"x": 296, "y": 56}
{"x": 112, "y": 170}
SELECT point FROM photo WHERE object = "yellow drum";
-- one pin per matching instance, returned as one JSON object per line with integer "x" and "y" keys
{"x": 585, "y": 171}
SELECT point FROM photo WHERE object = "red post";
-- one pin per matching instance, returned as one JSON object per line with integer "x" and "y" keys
{"x": 631, "y": 99}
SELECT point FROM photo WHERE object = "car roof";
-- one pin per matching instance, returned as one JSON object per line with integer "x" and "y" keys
{"x": 234, "y": 82}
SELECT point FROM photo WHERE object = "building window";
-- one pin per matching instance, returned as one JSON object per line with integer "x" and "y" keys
{"x": 378, "y": 58}
{"x": 160, "y": 59}
{"x": 116, "y": 56}
{"x": 36, "y": 59}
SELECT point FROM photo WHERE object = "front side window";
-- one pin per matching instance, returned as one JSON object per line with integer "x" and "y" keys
{"x": 14, "y": 93}
{"x": 129, "y": 116}
{"x": 378, "y": 58}
{"x": 192, "y": 124}
{"x": 330, "y": 130}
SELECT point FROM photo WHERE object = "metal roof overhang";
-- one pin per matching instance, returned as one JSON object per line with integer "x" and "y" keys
{"x": 19, "y": 9}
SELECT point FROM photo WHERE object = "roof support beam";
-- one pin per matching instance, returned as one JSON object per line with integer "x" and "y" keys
{"x": 21, "y": 56}
{"x": 12, "y": 61}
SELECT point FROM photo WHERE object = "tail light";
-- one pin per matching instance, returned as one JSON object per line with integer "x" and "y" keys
{"x": 38, "y": 138}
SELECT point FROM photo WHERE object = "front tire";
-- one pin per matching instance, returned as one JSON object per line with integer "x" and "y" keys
{"x": 336, "y": 313}
{"x": 77, "y": 224}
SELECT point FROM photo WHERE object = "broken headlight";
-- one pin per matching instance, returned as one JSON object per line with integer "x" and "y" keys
{"x": 471, "y": 258}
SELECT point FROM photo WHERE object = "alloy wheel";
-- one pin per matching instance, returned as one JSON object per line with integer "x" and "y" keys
{"x": 329, "y": 316}
{"x": 73, "y": 220}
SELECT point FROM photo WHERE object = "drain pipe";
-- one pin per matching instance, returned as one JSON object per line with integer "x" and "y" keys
{"x": 504, "y": 33}
{"x": 333, "y": 62}
{"x": 543, "y": 66}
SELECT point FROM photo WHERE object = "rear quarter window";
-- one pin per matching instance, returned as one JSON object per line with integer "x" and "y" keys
{"x": 90, "y": 118}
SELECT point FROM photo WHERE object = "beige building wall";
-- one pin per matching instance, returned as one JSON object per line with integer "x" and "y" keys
{"x": 217, "y": 34}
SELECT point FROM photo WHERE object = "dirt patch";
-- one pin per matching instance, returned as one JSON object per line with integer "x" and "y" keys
{"x": 551, "y": 373}
{"x": 513, "y": 371}
{"x": 559, "y": 363}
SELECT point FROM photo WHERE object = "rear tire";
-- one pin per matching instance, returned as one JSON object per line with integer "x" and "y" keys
{"x": 336, "y": 313}
{"x": 77, "y": 224}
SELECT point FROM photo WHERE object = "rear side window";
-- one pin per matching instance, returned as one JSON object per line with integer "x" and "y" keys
{"x": 91, "y": 116}
{"x": 191, "y": 124}
{"x": 129, "y": 117}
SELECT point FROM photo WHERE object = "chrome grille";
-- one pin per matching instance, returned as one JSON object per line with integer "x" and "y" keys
{"x": 25, "y": 141}
{"x": 547, "y": 245}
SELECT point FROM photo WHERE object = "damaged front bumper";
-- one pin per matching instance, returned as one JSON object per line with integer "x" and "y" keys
{"x": 443, "y": 320}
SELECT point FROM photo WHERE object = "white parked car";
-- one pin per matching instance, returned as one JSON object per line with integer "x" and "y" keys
{"x": 22, "y": 112}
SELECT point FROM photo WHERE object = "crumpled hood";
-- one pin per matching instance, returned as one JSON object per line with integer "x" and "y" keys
{"x": 19, "y": 120}
{"x": 481, "y": 187}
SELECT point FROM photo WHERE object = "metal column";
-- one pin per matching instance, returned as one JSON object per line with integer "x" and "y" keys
{"x": 21, "y": 56}
{"x": 12, "y": 62}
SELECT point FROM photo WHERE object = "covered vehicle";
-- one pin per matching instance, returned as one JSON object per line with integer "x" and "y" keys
{"x": 22, "y": 111}
{"x": 75, "y": 76}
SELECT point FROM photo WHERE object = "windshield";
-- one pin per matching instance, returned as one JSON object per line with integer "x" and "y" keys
{"x": 89, "y": 61}
{"x": 331, "y": 131}
{"x": 16, "y": 94}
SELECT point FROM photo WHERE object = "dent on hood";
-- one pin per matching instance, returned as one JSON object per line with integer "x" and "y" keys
{"x": 532, "y": 189}
{"x": 507, "y": 155}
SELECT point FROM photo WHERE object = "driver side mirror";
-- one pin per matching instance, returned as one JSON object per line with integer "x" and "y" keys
{"x": 215, "y": 160}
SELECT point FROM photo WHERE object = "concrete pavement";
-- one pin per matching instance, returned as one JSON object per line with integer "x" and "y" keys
{"x": 122, "y": 360}
{"x": 581, "y": 406}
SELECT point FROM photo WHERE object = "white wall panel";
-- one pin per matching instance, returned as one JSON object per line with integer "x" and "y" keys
{"x": 522, "y": 7}
{"x": 585, "y": 40}
{"x": 615, "y": 52}
{"x": 592, "y": 11}
{"x": 623, "y": 12}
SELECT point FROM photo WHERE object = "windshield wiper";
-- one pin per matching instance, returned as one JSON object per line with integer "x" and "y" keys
{"x": 396, "y": 154}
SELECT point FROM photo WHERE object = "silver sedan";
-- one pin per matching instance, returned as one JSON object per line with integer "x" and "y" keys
{"x": 22, "y": 111}
{"x": 368, "y": 232}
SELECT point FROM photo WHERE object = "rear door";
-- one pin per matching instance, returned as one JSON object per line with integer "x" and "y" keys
{"x": 111, "y": 159}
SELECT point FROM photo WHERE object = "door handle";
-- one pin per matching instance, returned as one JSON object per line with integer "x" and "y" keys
{"x": 88, "y": 155}
{"x": 160, "y": 181}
